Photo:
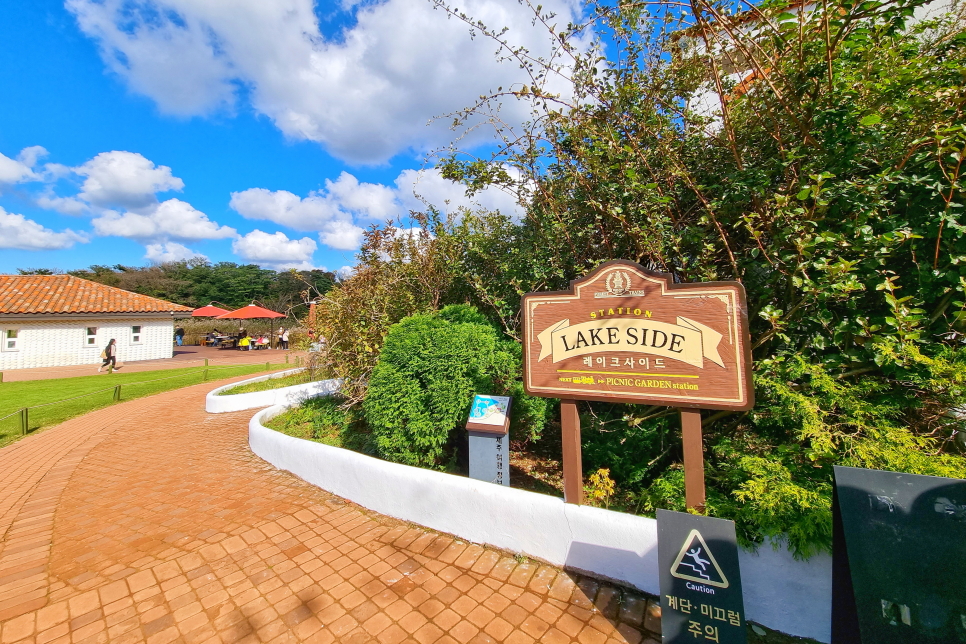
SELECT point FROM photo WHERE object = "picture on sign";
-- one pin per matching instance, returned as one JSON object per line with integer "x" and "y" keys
{"x": 699, "y": 579}
{"x": 692, "y": 565}
{"x": 626, "y": 334}
{"x": 901, "y": 579}
{"x": 490, "y": 413}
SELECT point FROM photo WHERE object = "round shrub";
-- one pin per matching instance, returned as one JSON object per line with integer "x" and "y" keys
{"x": 430, "y": 367}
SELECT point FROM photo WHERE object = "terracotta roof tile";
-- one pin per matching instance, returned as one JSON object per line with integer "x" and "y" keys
{"x": 68, "y": 294}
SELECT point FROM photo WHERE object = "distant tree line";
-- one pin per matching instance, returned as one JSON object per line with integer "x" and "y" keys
{"x": 198, "y": 282}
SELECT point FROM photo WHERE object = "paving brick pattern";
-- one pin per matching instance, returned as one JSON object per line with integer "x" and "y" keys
{"x": 139, "y": 523}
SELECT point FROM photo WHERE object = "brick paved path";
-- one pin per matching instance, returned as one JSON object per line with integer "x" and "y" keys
{"x": 135, "y": 524}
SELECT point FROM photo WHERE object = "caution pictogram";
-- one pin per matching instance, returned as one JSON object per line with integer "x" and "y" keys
{"x": 696, "y": 563}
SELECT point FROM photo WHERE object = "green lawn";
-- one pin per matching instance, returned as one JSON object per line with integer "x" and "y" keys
{"x": 70, "y": 400}
{"x": 265, "y": 385}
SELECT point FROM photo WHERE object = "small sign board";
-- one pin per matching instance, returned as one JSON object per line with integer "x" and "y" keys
{"x": 626, "y": 334}
{"x": 490, "y": 414}
{"x": 898, "y": 564}
{"x": 700, "y": 580}
{"x": 489, "y": 426}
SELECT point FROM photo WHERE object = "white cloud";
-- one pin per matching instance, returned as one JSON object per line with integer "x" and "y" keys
{"x": 417, "y": 189}
{"x": 171, "y": 219}
{"x": 124, "y": 179}
{"x": 21, "y": 168}
{"x": 63, "y": 205}
{"x": 275, "y": 250}
{"x": 337, "y": 211}
{"x": 366, "y": 93}
{"x": 16, "y": 231}
{"x": 342, "y": 235}
{"x": 344, "y": 273}
{"x": 170, "y": 252}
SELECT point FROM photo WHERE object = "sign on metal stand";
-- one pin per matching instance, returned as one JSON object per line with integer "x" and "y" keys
{"x": 627, "y": 334}
{"x": 898, "y": 566}
{"x": 700, "y": 580}
{"x": 488, "y": 426}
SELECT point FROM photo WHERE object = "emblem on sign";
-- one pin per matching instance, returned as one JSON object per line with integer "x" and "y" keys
{"x": 618, "y": 285}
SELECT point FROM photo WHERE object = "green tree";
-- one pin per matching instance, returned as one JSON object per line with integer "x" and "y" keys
{"x": 827, "y": 179}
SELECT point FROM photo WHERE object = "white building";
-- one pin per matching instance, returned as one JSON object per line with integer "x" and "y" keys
{"x": 58, "y": 320}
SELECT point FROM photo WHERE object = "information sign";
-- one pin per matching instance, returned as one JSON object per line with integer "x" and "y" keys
{"x": 490, "y": 414}
{"x": 904, "y": 540}
{"x": 488, "y": 426}
{"x": 626, "y": 334}
{"x": 700, "y": 580}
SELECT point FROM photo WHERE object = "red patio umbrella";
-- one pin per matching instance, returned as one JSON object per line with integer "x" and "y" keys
{"x": 248, "y": 312}
{"x": 209, "y": 311}
{"x": 252, "y": 311}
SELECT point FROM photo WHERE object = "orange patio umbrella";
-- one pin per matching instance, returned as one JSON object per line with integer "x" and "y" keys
{"x": 250, "y": 312}
{"x": 209, "y": 311}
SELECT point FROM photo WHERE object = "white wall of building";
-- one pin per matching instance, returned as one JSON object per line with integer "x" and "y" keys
{"x": 58, "y": 343}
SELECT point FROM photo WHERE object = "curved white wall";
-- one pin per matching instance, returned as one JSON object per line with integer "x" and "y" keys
{"x": 780, "y": 592}
{"x": 215, "y": 404}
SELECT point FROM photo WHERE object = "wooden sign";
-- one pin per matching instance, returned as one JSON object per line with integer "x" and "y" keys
{"x": 626, "y": 334}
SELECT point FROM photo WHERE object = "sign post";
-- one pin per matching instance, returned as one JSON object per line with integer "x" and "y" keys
{"x": 626, "y": 334}
{"x": 489, "y": 426}
{"x": 693, "y": 445}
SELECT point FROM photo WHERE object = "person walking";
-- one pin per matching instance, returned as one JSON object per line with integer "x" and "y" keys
{"x": 109, "y": 356}
{"x": 179, "y": 335}
{"x": 285, "y": 340}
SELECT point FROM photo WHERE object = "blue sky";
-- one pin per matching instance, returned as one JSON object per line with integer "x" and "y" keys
{"x": 144, "y": 130}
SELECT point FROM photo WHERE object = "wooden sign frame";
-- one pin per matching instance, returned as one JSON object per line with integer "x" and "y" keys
{"x": 653, "y": 287}
{"x": 693, "y": 321}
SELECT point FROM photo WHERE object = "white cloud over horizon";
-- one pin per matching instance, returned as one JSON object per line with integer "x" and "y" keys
{"x": 366, "y": 94}
{"x": 170, "y": 252}
{"x": 171, "y": 219}
{"x": 18, "y": 232}
{"x": 337, "y": 211}
{"x": 275, "y": 250}
{"x": 124, "y": 179}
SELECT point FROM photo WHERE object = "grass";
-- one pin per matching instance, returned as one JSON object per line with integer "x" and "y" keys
{"x": 324, "y": 421}
{"x": 299, "y": 378}
{"x": 16, "y": 395}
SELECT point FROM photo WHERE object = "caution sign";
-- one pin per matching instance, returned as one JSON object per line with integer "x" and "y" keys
{"x": 695, "y": 562}
{"x": 700, "y": 580}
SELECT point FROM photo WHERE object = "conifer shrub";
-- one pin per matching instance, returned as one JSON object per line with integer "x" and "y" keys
{"x": 430, "y": 367}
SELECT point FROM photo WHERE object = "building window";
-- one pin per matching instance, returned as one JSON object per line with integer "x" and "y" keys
{"x": 90, "y": 340}
{"x": 135, "y": 335}
{"x": 11, "y": 340}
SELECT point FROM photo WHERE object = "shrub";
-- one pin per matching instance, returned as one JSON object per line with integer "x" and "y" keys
{"x": 400, "y": 272}
{"x": 430, "y": 367}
